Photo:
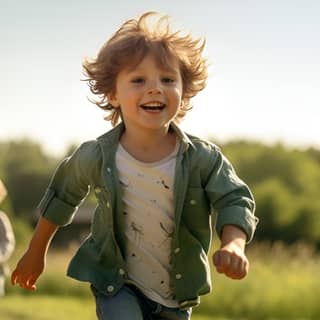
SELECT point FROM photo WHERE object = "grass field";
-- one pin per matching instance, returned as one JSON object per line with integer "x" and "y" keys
{"x": 284, "y": 283}
{"x": 52, "y": 308}
{"x": 46, "y": 308}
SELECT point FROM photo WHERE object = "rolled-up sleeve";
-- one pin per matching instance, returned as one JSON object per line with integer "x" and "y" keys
{"x": 55, "y": 210}
{"x": 237, "y": 216}
{"x": 68, "y": 187}
{"x": 230, "y": 198}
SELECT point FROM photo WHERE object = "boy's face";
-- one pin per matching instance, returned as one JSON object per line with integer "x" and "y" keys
{"x": 149, "y": 96}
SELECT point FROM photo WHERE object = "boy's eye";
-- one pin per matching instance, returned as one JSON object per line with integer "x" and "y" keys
{"x": 167, "y": 80}
{"x": 137, "y": 80}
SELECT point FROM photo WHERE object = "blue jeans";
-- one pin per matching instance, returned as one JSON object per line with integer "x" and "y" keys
{"x": 130, "y": 304}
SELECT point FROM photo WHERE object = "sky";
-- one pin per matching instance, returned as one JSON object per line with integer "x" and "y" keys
{"x": 264, "y": 75}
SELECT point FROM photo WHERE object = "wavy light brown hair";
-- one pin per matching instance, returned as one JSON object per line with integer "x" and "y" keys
{"x": 127, "y": 48}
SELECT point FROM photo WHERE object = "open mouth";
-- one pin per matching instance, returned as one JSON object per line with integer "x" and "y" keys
{"x": 153, "y": 106}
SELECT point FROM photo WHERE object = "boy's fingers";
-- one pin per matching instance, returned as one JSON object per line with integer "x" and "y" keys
{"x": 216, "y": 258}
{"x": 14, "y": 278}
{"x": 225, "y": 260}
{"x": 221, "y": 261}
{"x": 217, "y": 261}
{"x": 232, "y": 265}
{"x": 245, "y": 267}
{"x": 31, "y": 283}
{"x": 26, "y": 283}
{"x": 235, "y": 265}
{"x": 239, "y": 268}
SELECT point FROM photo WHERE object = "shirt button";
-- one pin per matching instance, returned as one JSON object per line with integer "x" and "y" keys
{"x": 121, "y": 272}
{"x": 178, "y": 276}
{"x": 176, "y": 250}
{"x": 108, "y": 204}
{"x": 97, "y": 189}
{"x": 193, "y": 202}
{"x": 110, "y": 288}
{"x": 108, "y": 170}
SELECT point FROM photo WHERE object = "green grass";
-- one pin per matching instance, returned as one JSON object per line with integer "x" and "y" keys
{"x": 52, "y": 308}
{"x": 46, "y": 308}
{"x": 283, "y": 283}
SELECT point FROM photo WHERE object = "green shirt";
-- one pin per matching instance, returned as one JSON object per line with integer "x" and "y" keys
{"x": 205, "y": 182}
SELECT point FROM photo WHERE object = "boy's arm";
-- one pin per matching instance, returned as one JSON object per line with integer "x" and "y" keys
{"x": 234, "y": 205}
{"x": 230, "y": 259}
{"x": 32, "y": 263}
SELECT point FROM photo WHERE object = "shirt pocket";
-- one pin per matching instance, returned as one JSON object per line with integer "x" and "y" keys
{"x": 196, "y": 210}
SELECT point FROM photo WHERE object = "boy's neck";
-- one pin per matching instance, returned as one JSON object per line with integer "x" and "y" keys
{"x": 150, "y": 147}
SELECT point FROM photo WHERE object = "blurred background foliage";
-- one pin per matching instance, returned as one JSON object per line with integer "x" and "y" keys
{"x": 286, "y": 184}
{"x": 284, "y": 181}
{"x": 284, "y": 257}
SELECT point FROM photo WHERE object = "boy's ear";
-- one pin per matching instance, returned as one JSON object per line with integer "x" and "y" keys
{"x": 112, "y": 99}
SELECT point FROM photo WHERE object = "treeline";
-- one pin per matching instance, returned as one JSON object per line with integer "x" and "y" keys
{"x": 286, "y": 186}
{"x": 285, "y": 183}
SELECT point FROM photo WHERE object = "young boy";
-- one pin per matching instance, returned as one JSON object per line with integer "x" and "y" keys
{"x": 156, "y": 186}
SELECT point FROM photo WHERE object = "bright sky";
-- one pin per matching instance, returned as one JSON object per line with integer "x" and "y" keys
{"x": 264, "y": 78}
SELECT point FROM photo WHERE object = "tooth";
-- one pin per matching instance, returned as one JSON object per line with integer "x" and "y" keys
{"x": 153, "y": 104}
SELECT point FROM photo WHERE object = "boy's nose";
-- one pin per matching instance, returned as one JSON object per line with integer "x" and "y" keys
{"x": 155, "y": 87}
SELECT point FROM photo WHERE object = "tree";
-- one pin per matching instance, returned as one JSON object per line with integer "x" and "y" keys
{"x": 26, "y": 173}
{"x": 286, "y": 186}
{"x": 275, "y": 208}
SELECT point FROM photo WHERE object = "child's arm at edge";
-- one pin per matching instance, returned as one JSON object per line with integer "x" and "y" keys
{"x": 32, "y": 263}
{"x": 230, "y": 259}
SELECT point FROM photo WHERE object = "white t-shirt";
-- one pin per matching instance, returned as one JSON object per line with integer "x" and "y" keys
{"x": 149, "y": 222}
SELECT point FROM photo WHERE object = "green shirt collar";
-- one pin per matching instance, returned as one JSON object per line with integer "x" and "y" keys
{"x": 112, "y": 137}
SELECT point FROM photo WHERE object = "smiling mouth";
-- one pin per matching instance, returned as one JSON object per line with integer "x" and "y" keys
{"x": 153, "y": 106}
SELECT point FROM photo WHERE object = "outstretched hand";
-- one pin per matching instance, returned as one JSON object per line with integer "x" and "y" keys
{"x": 28, "y": 270}
{"x": 32, "y": 263}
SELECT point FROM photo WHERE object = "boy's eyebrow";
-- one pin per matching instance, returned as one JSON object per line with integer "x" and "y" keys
{"x": 171, "y": 70}
{"x": 168, "y": 70}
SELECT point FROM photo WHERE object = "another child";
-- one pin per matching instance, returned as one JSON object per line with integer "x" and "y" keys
{"x": 7, "y": 242}
{"x": 156, "y": 186}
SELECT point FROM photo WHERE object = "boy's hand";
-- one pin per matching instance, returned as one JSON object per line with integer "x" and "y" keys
{"x": 32, "y": 263}
{"x": 231, "y": 259}
{"x": 28, "y": 270}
